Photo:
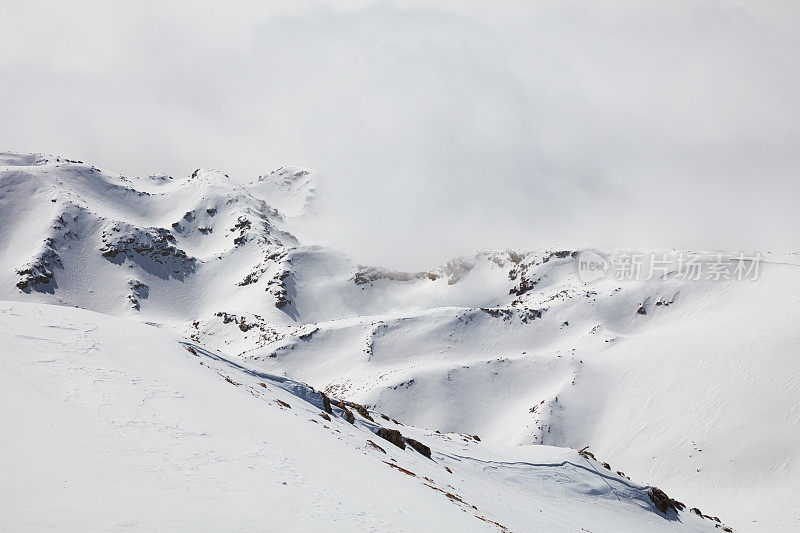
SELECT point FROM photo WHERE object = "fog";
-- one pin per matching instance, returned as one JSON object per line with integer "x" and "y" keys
{"x": 437, "y": 128}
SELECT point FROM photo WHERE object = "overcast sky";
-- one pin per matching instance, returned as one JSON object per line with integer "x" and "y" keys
{"x": 437, "y": 128}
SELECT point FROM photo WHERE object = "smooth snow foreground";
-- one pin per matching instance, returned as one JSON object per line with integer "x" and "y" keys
{"x": 110, "y": 424}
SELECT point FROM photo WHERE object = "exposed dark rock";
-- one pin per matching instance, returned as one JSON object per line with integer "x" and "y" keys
{"x": 524, "y": 286}
{"x": 226, "y": 318}
{"x": 402, "y": 385}
{"x": 360, "y": 409}
{"x": 38, "y": 274}
{"x": 139, "y": 292}
{"x": 153, "y": 249}
{"x": 348, "y": 414}
{"x": 524, "y": 315}
{"x": 400, "y": 468}
{"x": 375, "y": 446}
{"x": 307, "y": 336}
{"x": 585, "y": 451}
{"x": 242, "y": 323}
{"x": 278, "y": 287}
{"x": 421, "y": 448}
{"x": 663, "y": 502}
{"x": 393, "y": 436}
{"x": 365, "y": 275}
{"x": 250, "y": 278}
{"x": 326, "y": 403}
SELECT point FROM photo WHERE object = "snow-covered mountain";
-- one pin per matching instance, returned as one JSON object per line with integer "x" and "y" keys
{"x": 692, "y": 386}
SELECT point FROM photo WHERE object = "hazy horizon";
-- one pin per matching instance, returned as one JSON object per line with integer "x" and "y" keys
{"x": 436, "y": 131}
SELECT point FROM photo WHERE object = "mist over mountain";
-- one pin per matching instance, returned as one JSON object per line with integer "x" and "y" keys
{"x": 617, "y": 125}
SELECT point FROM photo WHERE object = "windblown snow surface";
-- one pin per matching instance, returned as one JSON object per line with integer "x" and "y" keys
{"x": 166, "y": 343}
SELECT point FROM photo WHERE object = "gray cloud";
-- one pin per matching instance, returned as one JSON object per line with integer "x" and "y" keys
{"x": 436, "y": 131}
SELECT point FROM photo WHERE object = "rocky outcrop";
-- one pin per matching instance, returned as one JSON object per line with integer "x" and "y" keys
{"x": 38, "y": 275}
{"x": 153, "y": 249}
{"x": 421, "y": 448}
{"x": 360, "y": 409}
{"x": 365, "y": 275}
{"x": 137, "y": 291}
{"x": 393, "y": 436}
{"x": 663, "y": 502}
{"x": 326, "y": 403}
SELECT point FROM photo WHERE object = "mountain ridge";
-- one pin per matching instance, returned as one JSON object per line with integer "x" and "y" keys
{"x": 511, "y": 345}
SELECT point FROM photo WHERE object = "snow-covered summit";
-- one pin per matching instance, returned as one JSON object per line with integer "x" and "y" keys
{"x": 291, "y": 190}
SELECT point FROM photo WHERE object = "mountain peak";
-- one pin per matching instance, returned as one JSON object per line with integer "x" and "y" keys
{"x": 14, "y": 159}
{"x": 289, "y": 189}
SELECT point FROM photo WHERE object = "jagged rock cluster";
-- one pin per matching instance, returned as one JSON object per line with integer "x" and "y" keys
{"x": 38, "y": 274}
{"x": 153, "y": 249}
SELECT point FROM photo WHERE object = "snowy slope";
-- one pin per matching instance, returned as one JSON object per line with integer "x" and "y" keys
{"x": 696, "y": 393}
{"x": 111, "y": 424}
{"x": 700, "y": 394}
